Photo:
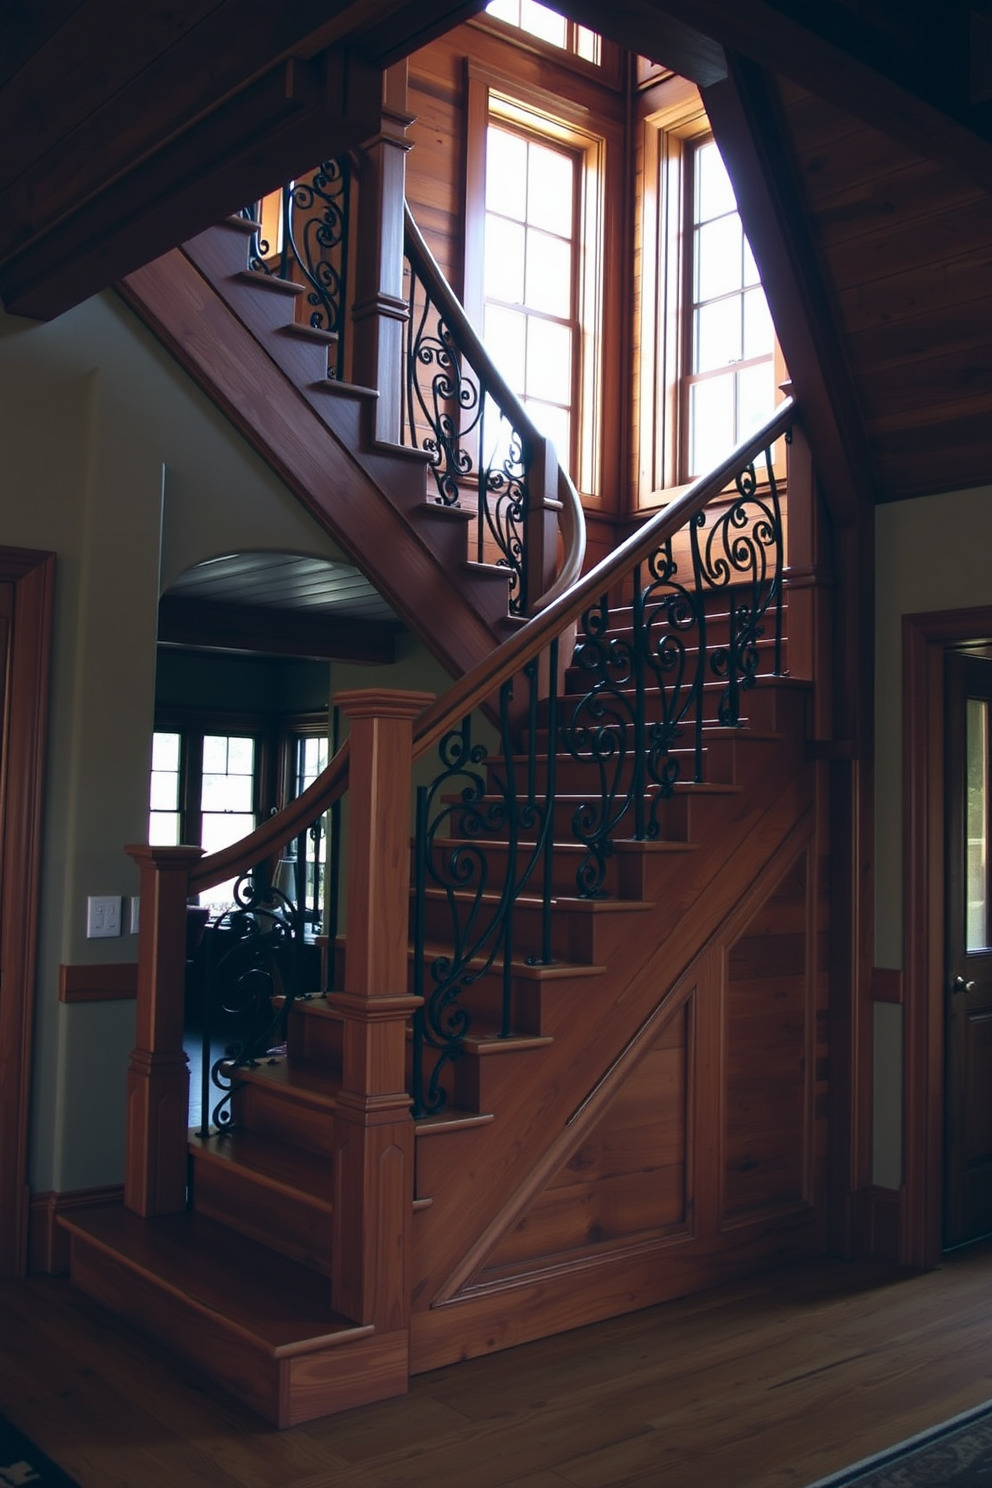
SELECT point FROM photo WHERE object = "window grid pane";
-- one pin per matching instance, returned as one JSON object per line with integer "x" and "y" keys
{"x": 976, "y": 825}
{"x": 529, "y": 277}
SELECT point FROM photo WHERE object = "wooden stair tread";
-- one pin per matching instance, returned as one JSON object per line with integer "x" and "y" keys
{"x": 491, "y": 844}
{"x": 485, "y": 1042}
{"x": 270, "y": 282}
{"x": 450, "y": 1119}
{"x": 527, "y": 971}
{"x": 535, "y": 902}
{"x": 309, "y": 333}
{"x": 310, "y": 1084}
{"x": 274, "y": 1303}
{"x": 281, "y": 1166}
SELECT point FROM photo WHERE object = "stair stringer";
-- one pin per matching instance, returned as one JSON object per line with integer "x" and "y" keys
{"x": 458, "y": 1313}
{"x": 327, "y": 472}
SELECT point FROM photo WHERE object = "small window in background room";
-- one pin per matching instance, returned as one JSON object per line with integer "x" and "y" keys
{"x": 547, "y": 26}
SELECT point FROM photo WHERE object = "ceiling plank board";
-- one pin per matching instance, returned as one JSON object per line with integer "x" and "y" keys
{"x": 252, "y": 628}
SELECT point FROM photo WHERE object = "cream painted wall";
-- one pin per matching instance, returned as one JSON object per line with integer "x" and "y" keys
{"x": 931, "y": 554}
{"x": 113, "y": 459}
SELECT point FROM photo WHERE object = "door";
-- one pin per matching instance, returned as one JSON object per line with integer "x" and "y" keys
{"x": 968, "y": 962}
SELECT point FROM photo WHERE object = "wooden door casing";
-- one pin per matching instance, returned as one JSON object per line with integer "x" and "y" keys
{"x": 27, "y": 583}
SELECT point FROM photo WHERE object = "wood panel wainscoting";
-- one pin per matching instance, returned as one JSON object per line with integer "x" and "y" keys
{"x": 27, "y": 577}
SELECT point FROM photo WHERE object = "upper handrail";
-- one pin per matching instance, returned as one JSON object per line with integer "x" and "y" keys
{"x": 572, "y": 521}
{"x": 500, "y": 665}
{"x": 505, "y": 661}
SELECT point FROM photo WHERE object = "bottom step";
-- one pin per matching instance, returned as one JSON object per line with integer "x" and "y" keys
{"x": 259, "y": 1325}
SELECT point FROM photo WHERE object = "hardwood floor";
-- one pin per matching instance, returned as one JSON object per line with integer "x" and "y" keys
{"x": 772, "y": 1382}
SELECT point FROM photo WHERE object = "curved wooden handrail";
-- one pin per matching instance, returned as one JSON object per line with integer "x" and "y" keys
{"x": 572, "y": 520}
{"x": 502, "y": 664}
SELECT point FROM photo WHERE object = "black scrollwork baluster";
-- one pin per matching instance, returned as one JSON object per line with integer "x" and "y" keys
{"x": 600, "y": 731}
{"x": 250, "y": 980}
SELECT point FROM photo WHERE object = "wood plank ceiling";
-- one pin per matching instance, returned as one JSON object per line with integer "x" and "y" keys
{"x": 880, "y": 165}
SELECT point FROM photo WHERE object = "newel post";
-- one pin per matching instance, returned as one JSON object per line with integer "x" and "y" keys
{"x": 379, "y": 311}
{"x": 373, "y": 1129}
{"x": 158, "y": 1075}
{"x": 809, "y": 583}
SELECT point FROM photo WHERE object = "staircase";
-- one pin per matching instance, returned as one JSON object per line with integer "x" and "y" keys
{"x": 398, "y": 472}
{"x": 578, "y": 1061}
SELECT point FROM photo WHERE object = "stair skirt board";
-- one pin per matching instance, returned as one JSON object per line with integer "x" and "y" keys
{"x": 288, "y": 1367}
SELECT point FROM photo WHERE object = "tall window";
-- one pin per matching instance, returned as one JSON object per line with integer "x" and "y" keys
{"x": 531, "y": 293}
{"x": 729, "y": 385}
{"x": 310, "y": 754}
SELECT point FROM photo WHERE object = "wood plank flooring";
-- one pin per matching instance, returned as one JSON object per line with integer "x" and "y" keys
{"x": 773, "y": 1382}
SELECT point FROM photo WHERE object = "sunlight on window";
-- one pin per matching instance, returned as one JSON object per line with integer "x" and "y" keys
{"x": 163, "y": 816}
{"x": 976, "y": 824}
{"x": 731, "y": 382}
{"x": 537, "y": 20}
{"x": 226, "y": 801}
{"x": 529, "y": 275}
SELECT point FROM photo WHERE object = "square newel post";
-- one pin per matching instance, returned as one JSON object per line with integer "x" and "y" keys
{"x": 379, "y": 312}
{"x": 809, "y": 583}
{"x": 373, "y": 1129}
{"x": 158, "y": 1075}
{"x": 543, "y": 506}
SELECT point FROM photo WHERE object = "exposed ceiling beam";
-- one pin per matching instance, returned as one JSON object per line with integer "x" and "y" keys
{"x": 829, "y": 50}
{"x": 256, "y": 628}
{"x": 743, "y": 113}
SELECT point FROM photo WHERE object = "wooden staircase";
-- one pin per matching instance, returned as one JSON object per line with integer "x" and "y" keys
{"x": 654, "y": 1122}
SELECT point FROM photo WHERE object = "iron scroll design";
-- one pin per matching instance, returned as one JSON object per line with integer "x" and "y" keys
{"x": 249, "y": 979}
{"x": 312, "y": 248}
{"x": 648, "y": 679}
{"x": 478, "y": 459}
{"x": 483, "y": 840}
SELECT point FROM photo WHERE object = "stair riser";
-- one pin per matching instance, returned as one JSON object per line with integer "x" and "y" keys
{"x": 760, "y": 708}
{"x": 579, "y": 935}
{"x": 578, "y": 679}
{"x": 316, "y": 1036}
{"x": 284, "y": 1222}
{"x": 572, "y": 776}
{"x": 274, "y": 1112}
{"x": 563, "y": 868}
{"x": 674, "y": 818}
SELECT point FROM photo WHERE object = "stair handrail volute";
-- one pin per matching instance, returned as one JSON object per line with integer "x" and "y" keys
{"x": 473, "y": 689}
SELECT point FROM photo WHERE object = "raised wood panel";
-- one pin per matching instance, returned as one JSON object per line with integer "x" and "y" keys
{"x": 628, "y": 1176}
{"x": 769, "y": 1005}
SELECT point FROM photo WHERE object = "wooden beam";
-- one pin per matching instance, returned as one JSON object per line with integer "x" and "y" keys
{"x": 253, "y": 628}
{"x": 295, "y": 116}
{"x": 744, "y": 116}
{"x": 824, "y": 62}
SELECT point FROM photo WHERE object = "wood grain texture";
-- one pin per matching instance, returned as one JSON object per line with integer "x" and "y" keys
{"x": 114, "y": 982}
{"x": 776, "y": 1380}
{"x": 27, "y": 583}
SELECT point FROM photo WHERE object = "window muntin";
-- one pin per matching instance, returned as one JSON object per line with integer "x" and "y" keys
{"x": 547, "y": 26}
{"x": 729, "y": 355}
{"x": 530, "y": 319}
{"x": 164, "y": 816}
{"x": 311, "y": 753}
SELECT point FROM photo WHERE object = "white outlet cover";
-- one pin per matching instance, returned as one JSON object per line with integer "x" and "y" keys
{"x": 103, "y": 915}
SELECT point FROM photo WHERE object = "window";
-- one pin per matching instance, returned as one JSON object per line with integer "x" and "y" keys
{"x": 729, "y": 382}
{"x": 538, "y": 267}
{"x": 530, "y": 322}
{"x": 708, "y": 364}
{"x": 309, "y": 755}
{"x": 547, "y": 26}
{"x": 204, "y": 789}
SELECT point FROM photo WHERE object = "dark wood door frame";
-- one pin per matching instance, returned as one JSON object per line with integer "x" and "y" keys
{"x": 926, "y": 639}
{"x": 22, "y": 757}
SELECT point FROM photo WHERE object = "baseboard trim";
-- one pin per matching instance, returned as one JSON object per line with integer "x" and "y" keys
{"x": 878, "y": 1222}
{"x": 48, "y": 1243}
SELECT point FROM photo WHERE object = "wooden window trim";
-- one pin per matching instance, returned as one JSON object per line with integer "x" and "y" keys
{"x": 673, "y": 118}
{"x": 608, "y": 71}
{"x": 599, "y": 144}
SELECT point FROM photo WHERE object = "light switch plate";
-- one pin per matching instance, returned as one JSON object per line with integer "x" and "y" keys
{"x": 103, "y": 915}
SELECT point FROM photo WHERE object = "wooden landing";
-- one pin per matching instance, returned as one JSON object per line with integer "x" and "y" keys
{"x": 259, "y": 1325}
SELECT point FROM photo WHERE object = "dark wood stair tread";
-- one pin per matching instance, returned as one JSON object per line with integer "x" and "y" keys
{"x": 298, "y": 1079}
{"x": 526, "y": 970}
{"x": 275, "y": 1303}
{"x": 280, "y": 1166}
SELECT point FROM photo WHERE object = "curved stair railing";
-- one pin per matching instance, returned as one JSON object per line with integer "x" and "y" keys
{"x": 487, "y": 457}
{"x": 646, "y": 675}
